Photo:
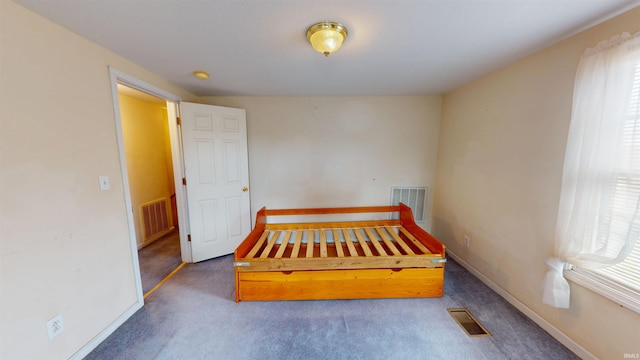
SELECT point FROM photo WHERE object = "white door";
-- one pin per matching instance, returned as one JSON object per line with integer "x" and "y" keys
{"x": 217, "y": 178}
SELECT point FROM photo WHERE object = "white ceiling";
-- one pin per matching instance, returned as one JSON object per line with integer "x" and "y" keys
{"x": 259, "y": 47}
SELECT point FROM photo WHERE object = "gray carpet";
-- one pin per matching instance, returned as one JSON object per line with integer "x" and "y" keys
{"x": 194, "y": 316}
{"x": 159, "y": 259}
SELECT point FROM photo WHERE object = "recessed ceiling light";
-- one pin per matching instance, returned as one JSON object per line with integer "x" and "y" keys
{"x": 202, "y": 75}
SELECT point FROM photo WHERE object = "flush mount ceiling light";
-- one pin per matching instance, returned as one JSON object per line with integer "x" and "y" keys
{"x": 202, "y": 75}
{"x": 327, "y": 36}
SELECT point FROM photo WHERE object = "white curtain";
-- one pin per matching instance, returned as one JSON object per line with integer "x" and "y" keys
{"x": 598, "y": 215}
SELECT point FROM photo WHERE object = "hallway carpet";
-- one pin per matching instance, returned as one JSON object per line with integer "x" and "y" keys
{"x": 158, "y": 259}
{"x": 194, "y": 316}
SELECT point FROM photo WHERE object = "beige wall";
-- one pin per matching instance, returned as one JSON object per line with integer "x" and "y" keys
{"x": 147, "y": 146}
{"x": 337, "y": 151}
{"x": 499, "y": 171}
{"x": 64, "y": 244}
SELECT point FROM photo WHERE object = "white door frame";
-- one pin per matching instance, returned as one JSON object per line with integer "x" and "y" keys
{"x": 119, "y": 77}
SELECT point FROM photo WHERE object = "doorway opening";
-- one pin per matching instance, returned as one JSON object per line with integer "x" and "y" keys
{"x": 176, "y": 218}
{"x": 149, "y": 162}
{"x": 214, "y": 216}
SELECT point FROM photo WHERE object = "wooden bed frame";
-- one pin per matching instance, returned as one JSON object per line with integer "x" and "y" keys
{"x": 347, "y": 260}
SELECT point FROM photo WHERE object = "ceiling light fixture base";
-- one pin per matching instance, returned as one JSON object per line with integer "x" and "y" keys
{"x": 326, "y": 37}
{"x": 202, "y": 75}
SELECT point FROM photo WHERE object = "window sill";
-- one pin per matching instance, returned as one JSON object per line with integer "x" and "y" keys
{"x": 626, "y": 297}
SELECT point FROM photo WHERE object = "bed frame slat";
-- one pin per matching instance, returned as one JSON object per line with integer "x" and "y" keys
{"x": 296, "y": 245}
{"x": 323, "y": 244}
{"x": 349, "y": 241}
{"x": 310, "y": 243}
{"x": 338, "y": 243}
{"x": 363, "y": 243}
{"x": 415, "y": 241}
{"x": 399, "y": 240}
{"x": 283, "y": 244}
{"x": 258, "y": 245}
{"x": 272, "y": 241}
{"x": 375, "y": 242}
{"x": 387, "y": 241}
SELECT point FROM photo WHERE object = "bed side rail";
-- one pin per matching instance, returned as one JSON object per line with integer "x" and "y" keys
{"x": 406, "y": 217}
{"x": 246, "y": 245}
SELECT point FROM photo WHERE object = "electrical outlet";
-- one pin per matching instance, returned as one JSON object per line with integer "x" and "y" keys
{"x": 55, "y": 326}
{"x": 467, "y": 241}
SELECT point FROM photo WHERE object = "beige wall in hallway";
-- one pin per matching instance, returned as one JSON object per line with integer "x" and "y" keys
{"x": 65, "y": 246}
{"x": 147, "y": 145}
{"x": 501, "y": 152}
{"x": 337, "y": 151}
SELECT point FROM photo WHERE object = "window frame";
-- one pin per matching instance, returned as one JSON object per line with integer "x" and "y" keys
{"x": 599, "y": 284}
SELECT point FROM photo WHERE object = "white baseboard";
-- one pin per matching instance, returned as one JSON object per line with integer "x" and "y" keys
{"x": 544, "y": 324}
{"x": 85, "y": 350}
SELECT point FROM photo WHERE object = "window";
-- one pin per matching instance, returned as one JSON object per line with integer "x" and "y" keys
{"x": 598, "y": 227}
{"x": 626, "y": 190}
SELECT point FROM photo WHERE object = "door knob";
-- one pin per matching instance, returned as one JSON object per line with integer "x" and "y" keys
{"x": 245, "y": 189}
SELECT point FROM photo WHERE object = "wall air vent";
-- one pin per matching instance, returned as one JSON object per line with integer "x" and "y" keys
{"x": 414, "y": 197}
{"x": 155, "y": 219}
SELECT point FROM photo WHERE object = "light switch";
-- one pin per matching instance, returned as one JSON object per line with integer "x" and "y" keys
{"x": 104, "y": 183}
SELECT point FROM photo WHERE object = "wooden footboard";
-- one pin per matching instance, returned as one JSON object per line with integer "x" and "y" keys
{"x": 338, "y": 260}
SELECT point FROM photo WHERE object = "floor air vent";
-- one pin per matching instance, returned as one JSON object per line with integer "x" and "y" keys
{"x": 467, "y": 322}
{"x": 412, "y": 196}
